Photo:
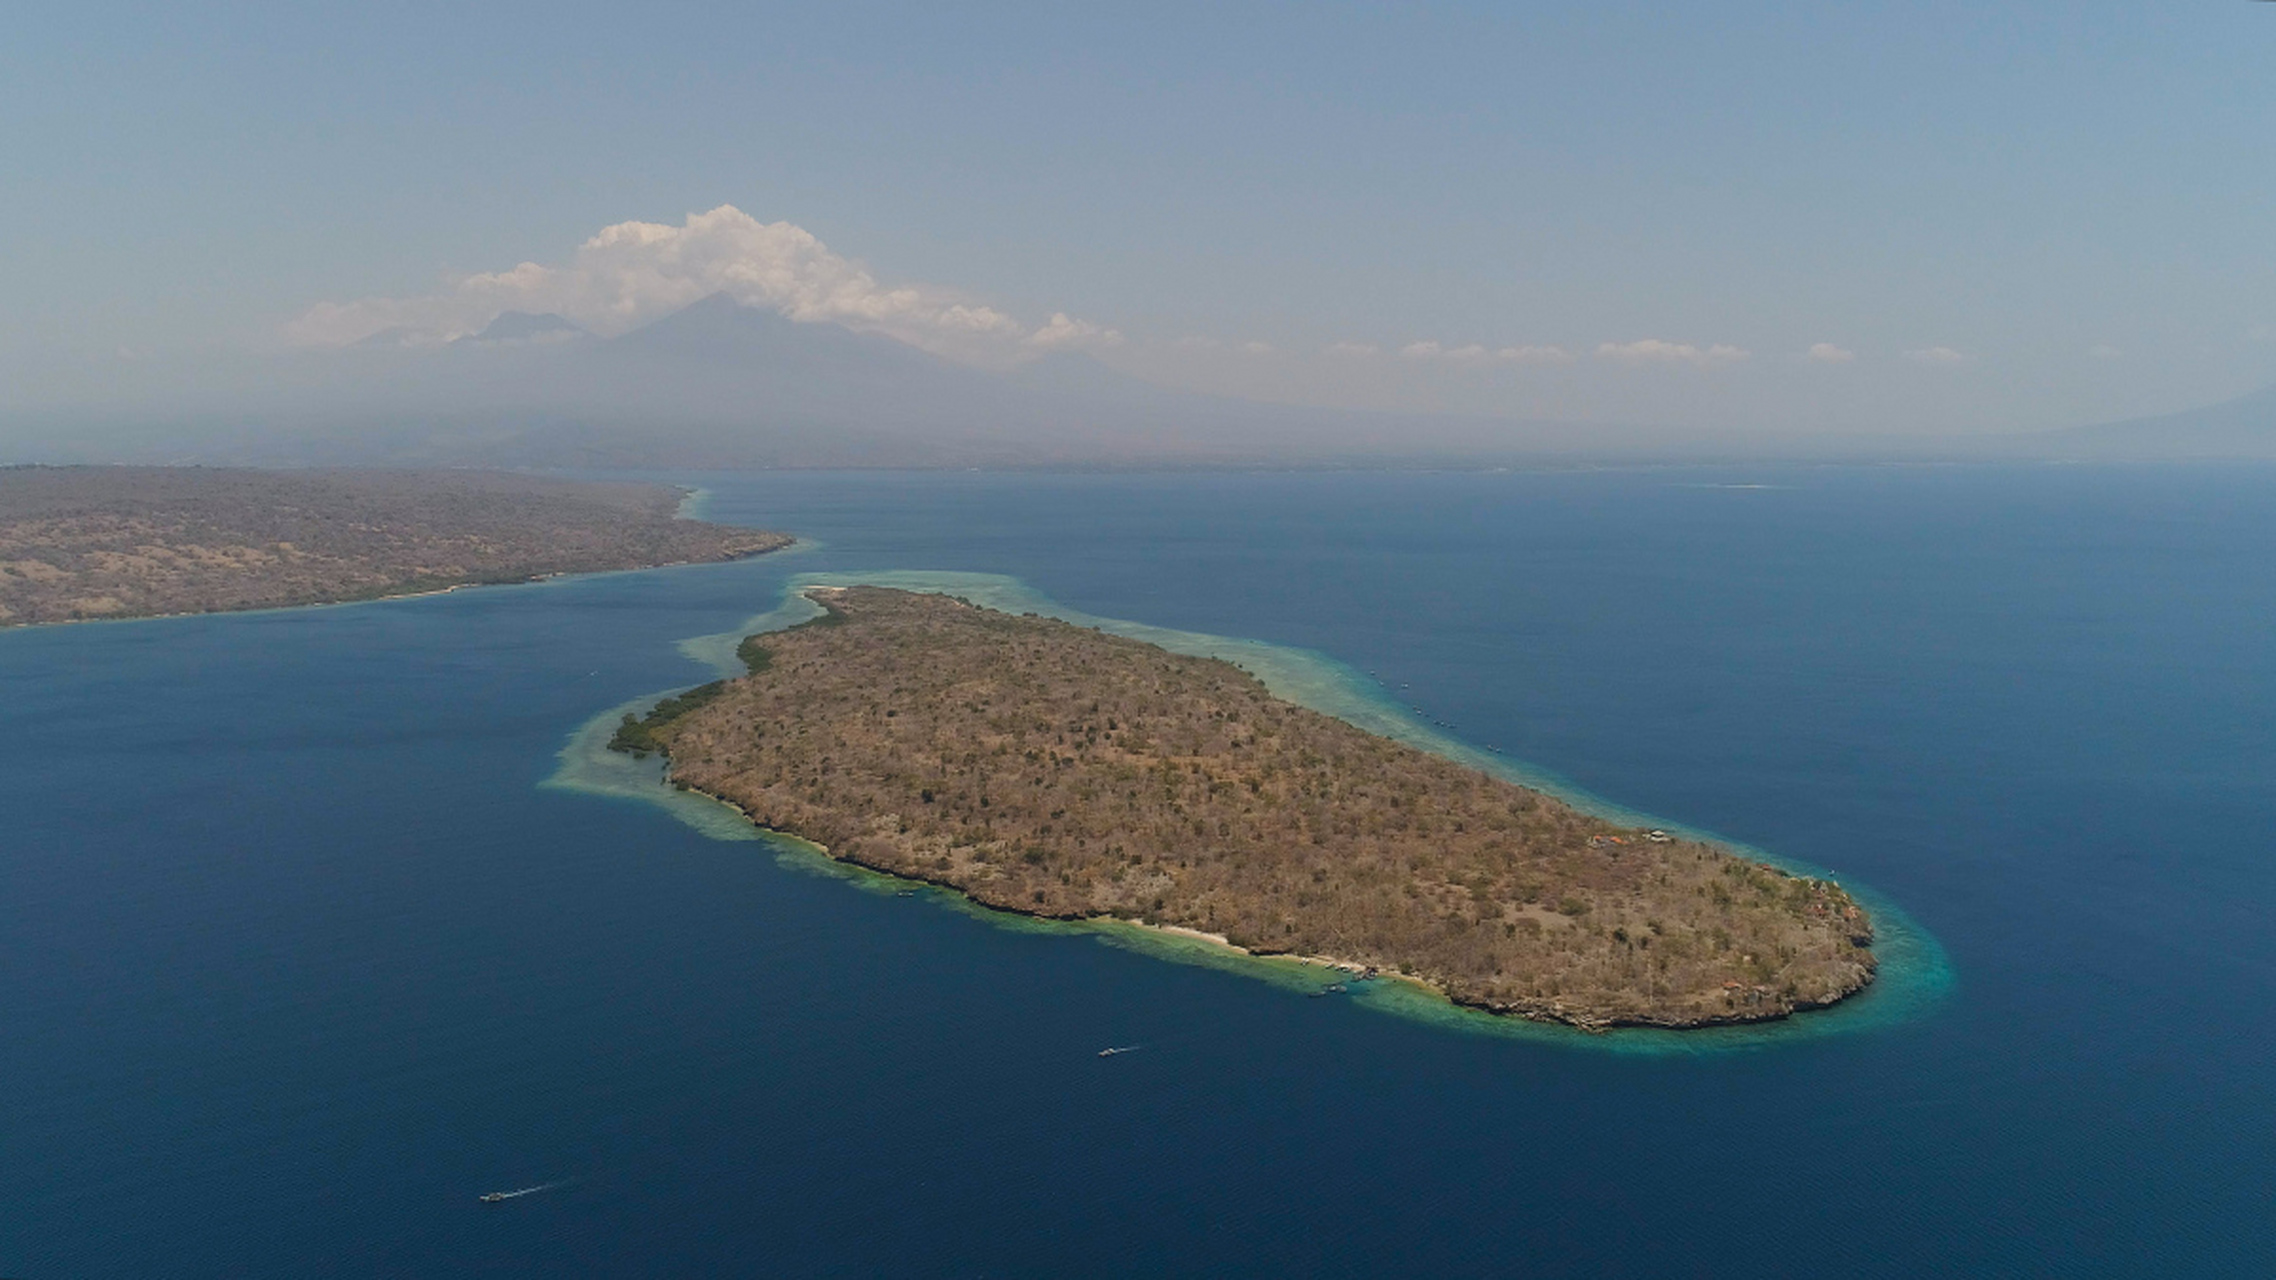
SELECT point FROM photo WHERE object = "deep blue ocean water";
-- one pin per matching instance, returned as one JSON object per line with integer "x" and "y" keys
{"x": 296, "y": 958}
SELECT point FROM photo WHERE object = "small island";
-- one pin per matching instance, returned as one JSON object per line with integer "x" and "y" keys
{"x": 79, "y": 543}
{"x": 1056, "y": 771}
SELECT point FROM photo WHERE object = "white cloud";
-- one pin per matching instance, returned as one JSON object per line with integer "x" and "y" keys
{"x": 1359, "y": 350}
{"x": 1429, "y": 351}
{"x": 1655, "y": 351}
{"x": 1476, "y": 354}
{"x": 635, "y": 272}
{"x": 1063, "y": 333}
{"x": 2104, "y": 351}
{"x": 1257, "y": 348}
{"x": 1828, "y": 353}
{"x": 1936, "y": 355}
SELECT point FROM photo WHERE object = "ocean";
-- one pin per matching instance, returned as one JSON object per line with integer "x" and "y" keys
{"x": 304, "y": 944}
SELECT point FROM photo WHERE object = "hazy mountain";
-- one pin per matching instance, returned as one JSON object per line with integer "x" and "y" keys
{"x": 395, "y": 337}
{"x": 2241, "y": 428}
{"x": 718, "y": 384}
{"x": 524, "y": 326}
{"x": 729, "y": 385}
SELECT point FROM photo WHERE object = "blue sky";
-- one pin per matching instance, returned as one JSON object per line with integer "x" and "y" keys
{"x": 2007, "y": 216}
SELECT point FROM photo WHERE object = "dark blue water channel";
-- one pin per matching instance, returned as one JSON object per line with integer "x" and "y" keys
{"x": 296, "y": 958}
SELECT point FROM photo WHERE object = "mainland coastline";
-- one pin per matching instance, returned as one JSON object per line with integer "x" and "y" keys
{"x": 1380, "y": 858}
{"x": 81, "y": 544}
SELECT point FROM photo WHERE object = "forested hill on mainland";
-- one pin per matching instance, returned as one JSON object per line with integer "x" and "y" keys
{"x": 1055, "y": 771}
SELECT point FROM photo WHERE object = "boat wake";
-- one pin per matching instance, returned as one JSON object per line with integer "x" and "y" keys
{"x": 495, "y": 1197}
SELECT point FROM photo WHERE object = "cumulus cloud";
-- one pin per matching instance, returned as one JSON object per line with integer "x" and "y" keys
{"x": 1828, "y": 353}
{"x": 1655, "y": 351}
{"x": 1936, "y": 355}
{"x": 1433, "y": 351}
{"x": 1064, "y": 333}
{"x": 1477, "y": 354}
{"x": 635, "y": 272}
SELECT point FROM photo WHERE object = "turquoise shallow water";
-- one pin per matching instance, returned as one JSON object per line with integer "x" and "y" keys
{"x": 300, "y": 953}
{"x": 1914, "y": 973}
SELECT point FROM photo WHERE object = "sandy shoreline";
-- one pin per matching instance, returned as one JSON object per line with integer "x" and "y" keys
{"x": 1912, "y": 979}
{"x": 1345, "y": 970}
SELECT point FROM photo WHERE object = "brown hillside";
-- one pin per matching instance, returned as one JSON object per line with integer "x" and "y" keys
{"x": 1052, "y": 770}
{"x": 122, "y": 542}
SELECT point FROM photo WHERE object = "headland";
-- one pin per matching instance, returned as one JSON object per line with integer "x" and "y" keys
{"x": 80, "y": 543}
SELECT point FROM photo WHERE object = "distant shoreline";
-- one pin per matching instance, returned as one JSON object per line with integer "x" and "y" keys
{"x": 385, "y": 597}
{"x": 106, "y": 544}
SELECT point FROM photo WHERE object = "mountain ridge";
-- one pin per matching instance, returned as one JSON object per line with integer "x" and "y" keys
{"x": 2243, "y": 427}
{"x": 721, "y": 385}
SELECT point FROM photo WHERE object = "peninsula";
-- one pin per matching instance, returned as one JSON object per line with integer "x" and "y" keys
{"x": 1056, "y": 771}
{"x": 123, "y": 542}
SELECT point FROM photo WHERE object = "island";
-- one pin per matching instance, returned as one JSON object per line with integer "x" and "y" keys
{"x": 79, "y": 543}
{"x": 1057, "y": 771}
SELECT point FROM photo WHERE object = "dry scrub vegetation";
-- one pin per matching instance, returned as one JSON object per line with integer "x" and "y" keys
{"x": 1057, "y": 771}
{"x": 118, "y": 542}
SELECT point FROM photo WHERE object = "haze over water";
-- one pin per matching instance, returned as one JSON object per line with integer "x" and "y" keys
{"x": 299, "y": 959}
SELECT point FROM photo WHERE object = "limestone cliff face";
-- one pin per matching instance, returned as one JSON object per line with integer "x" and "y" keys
{"x": 1052, "y": 770}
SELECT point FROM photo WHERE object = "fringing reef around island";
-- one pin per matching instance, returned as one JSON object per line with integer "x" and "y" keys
{"x": 1055, "y": 771}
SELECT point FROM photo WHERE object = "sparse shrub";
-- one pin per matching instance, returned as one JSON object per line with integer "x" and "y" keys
{"x": 1319, "y": 839}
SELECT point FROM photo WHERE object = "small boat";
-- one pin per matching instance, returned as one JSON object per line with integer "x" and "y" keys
{"x": 1332, "y": 989}
{"x": 496, "y": 1197}
{"x": 1125, "y": 1048}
